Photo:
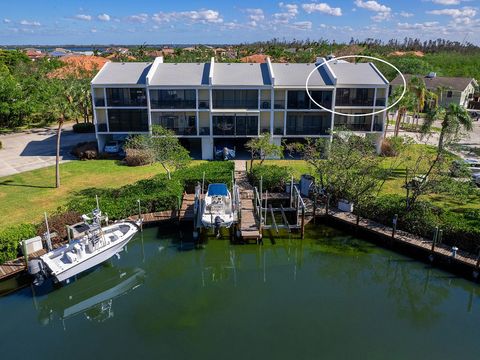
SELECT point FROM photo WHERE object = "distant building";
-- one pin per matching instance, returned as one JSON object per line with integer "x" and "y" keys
{"x": 209, "y": 104}
{"x": 34, "y": 54}
{"x": 256, "y": 58}
{"x": 458, "y": 90}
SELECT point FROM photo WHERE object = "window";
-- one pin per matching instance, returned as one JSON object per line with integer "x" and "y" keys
{"x": 235, "y": 125}
{"x": 300, "y": 99}
{"x": 235, "y": 99}
{"x": 180, "y": 123}
{"x": 307, "y": 123}
{"x": 173, "y": 99}
{"x": 128, "y": 120}
{"x": 126, "y": 97}
{"x": 355, "y": 97}
{"x": 449, "y": 94}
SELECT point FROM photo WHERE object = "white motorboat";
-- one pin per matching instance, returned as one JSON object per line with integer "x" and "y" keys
{"x": 92, "y": 245}
{"x": 218, "y": 208}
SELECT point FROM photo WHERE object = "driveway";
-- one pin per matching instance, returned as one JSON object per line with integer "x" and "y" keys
{"x": 36, "y": 148}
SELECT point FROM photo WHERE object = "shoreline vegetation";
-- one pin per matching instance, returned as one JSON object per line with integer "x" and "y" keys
{"x": 26, "y": 196}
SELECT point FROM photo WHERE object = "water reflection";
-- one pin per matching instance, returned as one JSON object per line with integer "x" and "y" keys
{"x": 91, "y": 296}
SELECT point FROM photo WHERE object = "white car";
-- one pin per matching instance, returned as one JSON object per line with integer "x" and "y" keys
{"x": 112, "y": 147}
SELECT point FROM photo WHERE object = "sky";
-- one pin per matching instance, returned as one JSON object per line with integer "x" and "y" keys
{"x": 85, "y": 22}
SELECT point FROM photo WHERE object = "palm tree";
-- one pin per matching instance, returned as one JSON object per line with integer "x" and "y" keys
{"x": 406, "y": 103}
{"x": 62, "y": 106}
{"x": 454, "y": 118}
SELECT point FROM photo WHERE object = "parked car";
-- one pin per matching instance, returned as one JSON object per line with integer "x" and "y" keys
{"x": 476, "y": 179}
{"x": 473, "y": 165}
{"x": 113, "y": 147}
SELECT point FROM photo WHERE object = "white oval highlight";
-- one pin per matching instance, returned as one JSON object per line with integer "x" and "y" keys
{"x": 357, "y": 56}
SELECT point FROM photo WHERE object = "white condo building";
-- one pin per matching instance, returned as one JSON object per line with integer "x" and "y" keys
{"x": 219, "y": 104}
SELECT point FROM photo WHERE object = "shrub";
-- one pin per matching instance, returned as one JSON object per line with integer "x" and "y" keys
{"x": 86, "y": 150}
{"x": 156, "y": 194}
{"x": 58, "y": 222}
{"x": 274, "y": 177}
{"x": 1, "y": 145}
{"x": 215, "y": 172}
{"x": 139, "y": 157}
{"x": 10, "y": 238}
{"x": 84, "y": 128}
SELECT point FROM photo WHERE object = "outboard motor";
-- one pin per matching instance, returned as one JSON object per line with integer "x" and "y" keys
{"x": 217, "y": 225}
{"x": 36, "y": 268}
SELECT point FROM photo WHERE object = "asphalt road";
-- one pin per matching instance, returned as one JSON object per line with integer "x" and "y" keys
{"x": 36, "y": 148}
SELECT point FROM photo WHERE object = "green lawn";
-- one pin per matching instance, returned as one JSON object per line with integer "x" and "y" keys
{"x": 394, "y": 185}
{"x": 24, "y": 197}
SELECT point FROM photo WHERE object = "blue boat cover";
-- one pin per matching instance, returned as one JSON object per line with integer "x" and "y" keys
{"x": 217, "y": 190}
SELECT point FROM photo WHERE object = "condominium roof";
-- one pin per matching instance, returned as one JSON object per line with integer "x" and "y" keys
{"x": 180, "y": 74}
{"x": 240, "y": 74}
{"x": 131, "y": 73}
{"x": 297, "y": 74}
{"x": 356, "y": 74}
{"x": 432, "y": 83}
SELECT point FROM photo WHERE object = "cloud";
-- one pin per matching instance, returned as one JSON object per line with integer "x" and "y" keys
{"x": 30, "y": 23}
{"x": 200, "y": 16}
{"x": 372, "y": 5}
{"x": 83, "y": 17}
{"x": 139, "y": 18}
{"x": 103, "y": 17}
{"x": 405, "y": 14}
{"x": 323, "y": 8}
{"x": 290, "y": 11}
{"x": 7, "y": 21}
{"x": 93, "y": 30}
{"x": 302, "y": 25}
{"x": 255, "y": 14}
{"x": 446, "y": 2}
{"x": 418, "y": 26}
{"x": 455, "y": 13}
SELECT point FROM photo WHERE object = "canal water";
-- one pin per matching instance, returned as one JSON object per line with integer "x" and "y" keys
{"x": 330, "y": 296}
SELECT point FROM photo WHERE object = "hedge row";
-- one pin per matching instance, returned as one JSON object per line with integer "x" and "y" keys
{"x": 9, "y": 240}
{"x": 459, "y": 229}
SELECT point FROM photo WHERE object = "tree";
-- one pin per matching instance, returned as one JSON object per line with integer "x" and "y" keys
{"x": 163, "y": 146}
{"x": 62, "y": 107}
{"x": 454, "y": 119}
{"x": 263, "y": 147}
{"x": 407, "y": 103}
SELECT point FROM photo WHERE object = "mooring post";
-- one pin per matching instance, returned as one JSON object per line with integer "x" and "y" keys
{"x": 261, "y": 194}
{"x": 291, "y": 192}
{"x": 303, "y": 223}
{"x": 266, "y": 200}
{"x": 140, "y": 215}
{"x": 25, "y": 253}
{"x": 435, "y": 237}
{"x": 394, "y": 228}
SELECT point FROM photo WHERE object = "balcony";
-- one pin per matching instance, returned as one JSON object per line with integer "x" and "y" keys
{"x": 126, "y": 97}
{"x": 380, "y": 102}
{"x": 235, "y": 125}
{"x": 279, "y": 104}
{"x": 234, "y": 104}
{"x": 355, "y": 127}
{"x": 102, "y": 127}
{"x": 307, "y": 124}
{"x": 184, "y": 131}
{"x": 354, "y": 102}
{"x": 173, "y": 104}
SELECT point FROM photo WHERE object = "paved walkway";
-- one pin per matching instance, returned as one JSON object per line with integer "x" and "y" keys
{"x": 36, "y": 148}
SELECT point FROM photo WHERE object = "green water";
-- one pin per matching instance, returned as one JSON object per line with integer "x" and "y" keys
{"x": 331, "y": 297}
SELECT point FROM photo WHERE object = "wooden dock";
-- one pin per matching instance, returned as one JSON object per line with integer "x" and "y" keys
{"x": 187, "y": 212}
{"x": 248, "y": 227}
{"x": 426, "y": 245}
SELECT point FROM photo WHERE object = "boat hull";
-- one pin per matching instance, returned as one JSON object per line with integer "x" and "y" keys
{"x": 94, "y": 260}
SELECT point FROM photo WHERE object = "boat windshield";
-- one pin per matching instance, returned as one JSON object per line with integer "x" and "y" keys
{"x": 217, "y": 190}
